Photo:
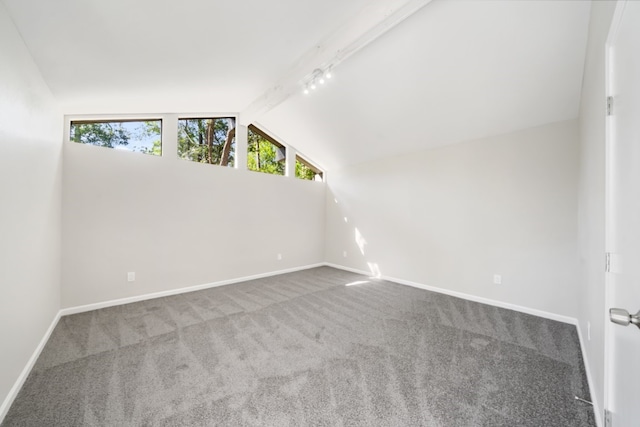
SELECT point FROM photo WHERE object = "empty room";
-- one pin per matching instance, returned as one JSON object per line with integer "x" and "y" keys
{"x": 340, "y": 213}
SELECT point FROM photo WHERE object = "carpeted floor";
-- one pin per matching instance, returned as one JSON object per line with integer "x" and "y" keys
{"x": 316, "y": 347}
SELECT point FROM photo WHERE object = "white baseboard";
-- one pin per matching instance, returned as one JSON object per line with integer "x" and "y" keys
{"x": 143, "y": 297}
{"x": 345, "y": 268}
{"x": 470, "y": 297}
{"x": 587, "y": 367}
{"x": 6, "y": 404}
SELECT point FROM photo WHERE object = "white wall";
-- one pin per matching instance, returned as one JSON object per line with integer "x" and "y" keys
{"x": 452, "y": 217}
{"x": 591, "y": 200}
{"x": 177, "y": 223}
{"x": 30, "y": 162}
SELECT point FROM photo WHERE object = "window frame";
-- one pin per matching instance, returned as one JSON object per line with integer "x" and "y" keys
{"x": 202, "y": 116}
{"x": 169, "y": 136}
{"x": 111, "y": 118}
{"x": 253, "y": 128}
{"x": 314, "y": 168}
{"x": 265, "y": 135}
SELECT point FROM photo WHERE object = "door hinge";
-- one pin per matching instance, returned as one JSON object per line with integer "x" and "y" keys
{"x": 608, "y": 422}
{"x": 609, "y": 105}
{"x": 607, "y": 262}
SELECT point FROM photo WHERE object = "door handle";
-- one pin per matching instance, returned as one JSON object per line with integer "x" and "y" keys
{"x": 620, "y": 316}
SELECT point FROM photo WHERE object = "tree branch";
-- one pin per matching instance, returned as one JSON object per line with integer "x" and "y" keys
{"x": 224, "y": 158}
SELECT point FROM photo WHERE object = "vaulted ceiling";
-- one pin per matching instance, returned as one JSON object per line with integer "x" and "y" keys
{"x": 450, "y": 71}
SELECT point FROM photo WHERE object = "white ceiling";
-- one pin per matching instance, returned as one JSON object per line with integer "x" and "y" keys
{"x": 453, "y": 71}
{"x": 186, "y": 55}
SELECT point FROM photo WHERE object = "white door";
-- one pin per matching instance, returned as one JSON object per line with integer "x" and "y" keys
{"x": 622, "y": 371}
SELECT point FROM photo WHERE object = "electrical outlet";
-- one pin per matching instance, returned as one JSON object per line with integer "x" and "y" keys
{"x": 131, "y": 276}
{"x": 497, "y": 279}
{"x": 344, "y": 254}
{"x": 279, "y": 257}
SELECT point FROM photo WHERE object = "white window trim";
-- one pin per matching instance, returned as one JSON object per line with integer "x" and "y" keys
{"x": 170, "y": 135}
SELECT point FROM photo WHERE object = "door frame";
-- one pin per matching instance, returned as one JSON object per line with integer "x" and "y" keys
{"x": 609, "y": 136}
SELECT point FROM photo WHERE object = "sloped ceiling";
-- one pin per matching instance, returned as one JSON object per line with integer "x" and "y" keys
{"x": 453, "y": 71}
{"x": 167, "y": 55}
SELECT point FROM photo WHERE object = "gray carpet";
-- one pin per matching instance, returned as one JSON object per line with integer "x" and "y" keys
{"x": 304, "y": 349}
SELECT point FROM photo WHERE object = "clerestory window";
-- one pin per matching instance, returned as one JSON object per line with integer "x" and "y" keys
{"x": 265, "y": 154}
{"x": 142, "y": 136}
{"x": 306, "y": 170}
{"x": 207, "y": 140}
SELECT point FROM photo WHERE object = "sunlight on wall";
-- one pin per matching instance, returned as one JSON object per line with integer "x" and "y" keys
{"x": 360, "y": 241}
{"x": 375, "y": 269}
{"x": 360, "y": 260}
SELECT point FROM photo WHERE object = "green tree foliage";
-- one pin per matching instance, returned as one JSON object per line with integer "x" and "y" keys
{"x": 156, "y": 149}
{"x": 262, "y": 156}
{"x": 304, "y": 172}
{"x": 152, "y": 129}
{"x": 100, "y": 134}
{"x": 207, "y": 140}
{"x": 141, "y": 136}
{"x": 203, "y": 140}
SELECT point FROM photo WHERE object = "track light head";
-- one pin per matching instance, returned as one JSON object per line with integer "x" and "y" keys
{"x": 317, "y": 77}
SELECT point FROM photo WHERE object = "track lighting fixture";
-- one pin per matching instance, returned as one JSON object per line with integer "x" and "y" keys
{"x": 317, "y": 77}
